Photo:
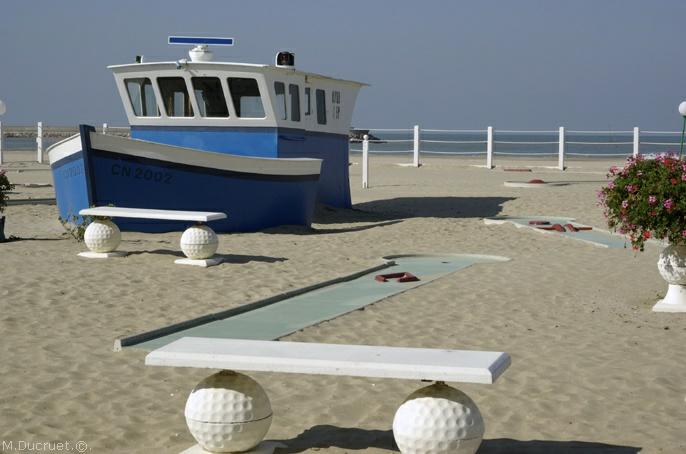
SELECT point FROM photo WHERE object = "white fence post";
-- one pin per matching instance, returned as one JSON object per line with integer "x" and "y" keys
{"x": 637, "y": 141}
{"x": 39, "y": 143}
{"x": 104, "y": 128}
{"x": 1, "y": 137}
{"x": 415, "y": 161}
{"x": 489, "y": 147}
{"x": 365, "y": 161}
{"x": 561, "y": 150}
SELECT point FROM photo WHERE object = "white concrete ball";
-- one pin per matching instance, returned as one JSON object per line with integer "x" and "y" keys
{"x": 682, "y": 109}
{"x": 102, "y": 236}
{"x": 3, "y": 107}
{"x": 438, "y": 419}
{"x": 199, "y": 242}
{"x": 228, "y": 412}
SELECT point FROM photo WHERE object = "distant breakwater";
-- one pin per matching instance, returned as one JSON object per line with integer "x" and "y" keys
{"x": 55, "y": 132}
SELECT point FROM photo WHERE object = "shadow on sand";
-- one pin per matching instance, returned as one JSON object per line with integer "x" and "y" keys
{"x": 13, "y": 238}
{"x": 325, "y": 436}
{"x": 303, "y": 230}
{"x": 413, "y": 207}
{"x": 226, "y": 258}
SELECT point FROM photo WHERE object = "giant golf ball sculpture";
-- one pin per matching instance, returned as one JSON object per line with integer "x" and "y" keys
{"x": 102, "y": 236}
{"x": 199, "y": 242}
{"x": 438, "y": 419}
{"x": 228, "y": 412}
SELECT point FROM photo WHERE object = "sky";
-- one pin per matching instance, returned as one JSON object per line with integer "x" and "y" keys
{"x": 468, "y": 64}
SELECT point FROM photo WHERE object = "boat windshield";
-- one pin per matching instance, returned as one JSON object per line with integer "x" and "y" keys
{"x": 175, "y": 96}
{"x": 142, "y": 97}
{"x": 245, "y": 94}
{"x": 210, "y": 97}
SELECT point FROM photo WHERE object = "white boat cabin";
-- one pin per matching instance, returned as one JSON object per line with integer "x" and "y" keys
{"x": 204, "y": 93}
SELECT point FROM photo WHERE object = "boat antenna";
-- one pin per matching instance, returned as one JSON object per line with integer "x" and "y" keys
{"x": 200, "y": 51}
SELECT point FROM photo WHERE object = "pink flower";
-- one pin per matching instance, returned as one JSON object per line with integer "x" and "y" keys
{"x": 613, "y": 170}
{"x": 625, "y": 203}
{"x": 631, "y": 188}
{"x": 611, "y": 185}
{"x": 652, "y": 200}
{"x": 683, "y": 233}
{"x": 668, "y": 204}
{"x": 683, "y": 177}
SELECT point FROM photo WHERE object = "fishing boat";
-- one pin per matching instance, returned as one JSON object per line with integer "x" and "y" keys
{"x": 262, "y": 143}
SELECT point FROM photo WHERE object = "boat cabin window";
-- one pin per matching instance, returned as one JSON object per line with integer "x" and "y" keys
{"x": 246, "y": 97}
{"x": 210, "y": 97}
{"x": 175, "y": 96}
{"x": 336, "y": 102}
{"x": 294, "y": 93}
{"x": 142, "y": 97}
{"x": 280, "y": 100}
{"x": 321, "y": 107}
{"x": 308, "y": 101}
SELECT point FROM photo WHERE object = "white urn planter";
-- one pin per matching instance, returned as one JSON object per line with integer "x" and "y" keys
{"x": 102, "y": 236}
{"x": 672, "y": 267}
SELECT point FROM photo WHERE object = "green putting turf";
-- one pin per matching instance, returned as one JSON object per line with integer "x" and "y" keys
{"x": 277, "y": 319}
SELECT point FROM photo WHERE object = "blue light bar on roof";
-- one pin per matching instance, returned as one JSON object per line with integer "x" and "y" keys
{"x": 200, "y": 40}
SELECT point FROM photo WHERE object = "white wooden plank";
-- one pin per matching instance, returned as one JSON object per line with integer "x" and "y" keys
{"x": 145, "y": 213}
{"x": 332, "y": 359}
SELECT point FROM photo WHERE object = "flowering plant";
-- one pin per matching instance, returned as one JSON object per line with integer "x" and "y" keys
{"x": 647, "y": 198}
{"x": 5, "y": 187}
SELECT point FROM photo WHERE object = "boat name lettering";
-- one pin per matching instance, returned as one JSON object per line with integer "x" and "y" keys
{"x": 140, "y": 173}
{"x": 71, "y": 172}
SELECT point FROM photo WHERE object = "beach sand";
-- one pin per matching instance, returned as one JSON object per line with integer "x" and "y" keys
{"x": 593, "y": 369}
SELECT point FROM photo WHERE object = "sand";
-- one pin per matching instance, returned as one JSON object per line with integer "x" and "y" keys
{"x": 594, "y": 370}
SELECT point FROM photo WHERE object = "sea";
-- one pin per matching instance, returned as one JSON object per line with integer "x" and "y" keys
{"x": 587, "y": 144}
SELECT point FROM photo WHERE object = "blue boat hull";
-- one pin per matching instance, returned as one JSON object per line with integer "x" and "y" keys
{"x": 252, "y": 201}
{"x": 332, "y": 149}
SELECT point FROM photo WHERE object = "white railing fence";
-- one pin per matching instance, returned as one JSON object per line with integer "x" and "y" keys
{"x": 491, "y": 143}
{"x": 41, "y": 136}
{"x": 421, "y": 137}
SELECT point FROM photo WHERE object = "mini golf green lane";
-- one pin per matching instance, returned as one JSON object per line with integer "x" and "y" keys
{"x": 289, "y": 315}
{"x": 598, "y": 237}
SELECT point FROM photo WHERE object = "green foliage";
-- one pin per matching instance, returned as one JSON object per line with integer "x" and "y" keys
{"x": 5, "y": 188}
{"x": 75, "y": 225}
{"x": 647, "y": 198}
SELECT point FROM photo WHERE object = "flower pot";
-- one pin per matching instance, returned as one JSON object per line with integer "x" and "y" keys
{"x": 2, "y": 229}
{"x": 672, "y": 267}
